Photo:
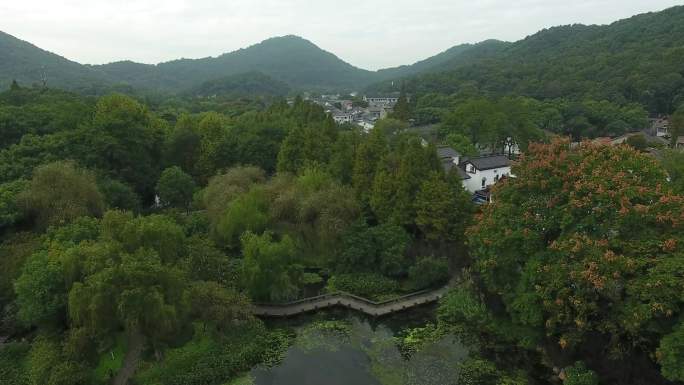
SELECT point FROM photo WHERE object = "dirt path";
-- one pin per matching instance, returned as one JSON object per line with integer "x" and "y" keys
{"x": 136, "y": 344}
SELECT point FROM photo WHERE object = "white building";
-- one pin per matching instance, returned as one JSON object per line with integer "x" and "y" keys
{"x": 342, "y": 117}
{"x": 483, "y": 172}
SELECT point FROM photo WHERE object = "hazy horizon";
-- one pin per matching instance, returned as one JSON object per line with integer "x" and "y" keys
{"x": 369, "y": 36}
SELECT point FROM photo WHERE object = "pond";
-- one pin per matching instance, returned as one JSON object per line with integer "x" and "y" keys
{"x": 342, "y": 349}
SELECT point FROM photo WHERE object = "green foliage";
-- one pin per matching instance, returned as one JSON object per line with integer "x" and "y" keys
{"x": 578, "y": 374}
{"x": 270, "y": 271}
{"x": 175, "y": 188}
{"x": 367, "y": 285}
{"x": 13, "y": 363}
{"x": 462, "y": 308}
{"x": 242, "y": 85}
{"x": 461, "y": 144}
{"x": 671, "y": 354}
{"x": 429, "y": 272}
{"x": 443, "y": 210}
{"x": 59, "y": 193}
{"x": 248, "y": 212}
{"x": 118, "y": 195}
{"x": 574, "y": 275}
{"x": 210, "y": 360}
{"x": 638, "y": 142}
{"x": 214, "y": 304}
{"x": 40, "y": 290}
{"x": 673, "y": 162}
{"x": 303, "y": 147}
{"x": 14, "y": 251}
{"x": 379, "y": 248}
{"x": 10, "y": 211}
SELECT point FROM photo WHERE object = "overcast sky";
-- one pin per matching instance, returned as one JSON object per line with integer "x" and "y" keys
{"x": 370, "y": 34}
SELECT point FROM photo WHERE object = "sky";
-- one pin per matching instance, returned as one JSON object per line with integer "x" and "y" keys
{"x": 370, "y": 34}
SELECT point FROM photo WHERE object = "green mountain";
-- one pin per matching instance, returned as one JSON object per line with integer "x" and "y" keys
{"x": 640, "y": 59}
{"x": 29, "y": 64}
{"x": 247, "y": 84}
{"x": 290, "y": 59}
{"x": 453, "y": 57}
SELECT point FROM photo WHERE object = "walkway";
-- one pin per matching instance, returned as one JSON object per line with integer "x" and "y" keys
{"x": 374, "y": 309}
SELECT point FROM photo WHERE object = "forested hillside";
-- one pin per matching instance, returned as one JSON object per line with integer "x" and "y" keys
{"x": 640, "y": 59}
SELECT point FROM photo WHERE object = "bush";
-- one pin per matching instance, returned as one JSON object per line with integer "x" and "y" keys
{"x": 175, "y": 188}
{"x": 429, "y": 272}
{"x": 12, "y": 364}
{"x": 366, "y": 285}
{"x": 578, "y": 374}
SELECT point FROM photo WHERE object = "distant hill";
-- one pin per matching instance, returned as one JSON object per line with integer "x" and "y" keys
{"x": 247, "y": 84}
{"x": 28, "y": 64}
{"x": 290, "y": 59}
{"x": 453, "y": 57}
{"x": 640, "y": 59}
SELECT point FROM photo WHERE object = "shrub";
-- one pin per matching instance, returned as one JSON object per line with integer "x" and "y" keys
{"x": 366, "y": 285}
{"x": 578, "y": 374}
{"x": 429, "y": 272}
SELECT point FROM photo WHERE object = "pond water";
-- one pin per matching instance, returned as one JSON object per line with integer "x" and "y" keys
{"x": 352, "y": 350}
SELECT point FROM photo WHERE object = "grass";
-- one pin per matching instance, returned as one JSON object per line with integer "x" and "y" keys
{"x": 111, "y": 360}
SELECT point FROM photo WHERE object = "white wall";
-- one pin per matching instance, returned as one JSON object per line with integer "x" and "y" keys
{"x": 475, "y": 182}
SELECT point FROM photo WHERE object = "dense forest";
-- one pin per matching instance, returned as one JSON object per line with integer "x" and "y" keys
{"x": 636, "y": 60}
{"x": 137, "y": 235}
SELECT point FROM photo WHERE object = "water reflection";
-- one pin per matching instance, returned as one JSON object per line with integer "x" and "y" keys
{"x": 352, "y": 351}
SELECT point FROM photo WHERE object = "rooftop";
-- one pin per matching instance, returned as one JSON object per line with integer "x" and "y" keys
{"x": 447, "y": 152}
{"x": 490, "y": 162}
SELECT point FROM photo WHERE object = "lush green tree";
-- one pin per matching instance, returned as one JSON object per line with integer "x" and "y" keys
{"x": 368, "y": 156}
{"x": 175, "y": 188}
{"x": 673, "y": 161}
{"x": 429, "y": 272}
{"x": 379, "y": 248}
{"x": 303, "y": 147}
{"x": 671, "y": 354}
{"x": 270, "y": 271}
{"x": 443, "y": 210}
{"x": 248, "y": 212}
{"x": 402, "y": 110}
{"x": 578, "y": 374}
{"x": 60, "y": 192}
{"x": 10, "y": 210}
{"x": 41, "y": 293}
{"x": 118, "y": 195}
{"x": 677, "y": 124}
{"x": 213, "y": 304}
{"x": 461, "y": 144}
{"x": 183, "y": 144}
{"x": 638, "y": 142}
{"x": 224, "y": 188}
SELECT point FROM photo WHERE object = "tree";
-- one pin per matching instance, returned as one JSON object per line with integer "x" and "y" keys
{"x": 402, "y": 110}
{"x": 677, "y": 125}
{"x": 368, "y": 156}
{"x": 638, "y": 142}
{"x": 59, "y": 193}
{"x": 213, "y": 304}
{"x": 41, "y": 295}
{"x": 461, "y": 144}
{"x": 429, "y": 272}
{"x": 270, "y": 270}
{"x": 673, "y": 161}
{"x": 176, "y": 188}
{"x": 10, "y": 212}
{"x": 303, "y": 147}
{"x": 443, "y": 210}
{"x": 585, "y": 243}
{"x": 671, "y": 354}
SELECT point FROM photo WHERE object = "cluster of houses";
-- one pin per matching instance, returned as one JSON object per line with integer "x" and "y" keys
{"x": 658, "y": 135}
{"x": 345, "y": 111}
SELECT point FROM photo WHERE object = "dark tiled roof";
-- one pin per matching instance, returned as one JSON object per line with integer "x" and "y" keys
{"x": 447, "y": 152}
{"x": 490, "y": 162}
{"x": 450, "y": 166}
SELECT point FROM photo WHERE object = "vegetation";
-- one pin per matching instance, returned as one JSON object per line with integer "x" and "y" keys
{"x": 135, "y": 233}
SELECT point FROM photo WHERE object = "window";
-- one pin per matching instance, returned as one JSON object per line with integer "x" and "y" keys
{"x": 484, "y": 182}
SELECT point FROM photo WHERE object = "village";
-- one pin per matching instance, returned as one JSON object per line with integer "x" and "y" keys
{"x": 478, "y": 174}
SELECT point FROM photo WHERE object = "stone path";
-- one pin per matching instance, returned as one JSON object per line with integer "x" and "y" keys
{"x": 136, "y": 344}
{"x": 375, "y": 309}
